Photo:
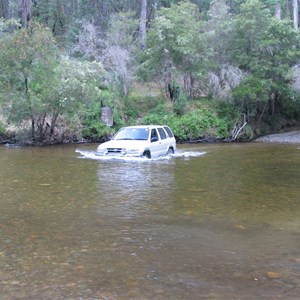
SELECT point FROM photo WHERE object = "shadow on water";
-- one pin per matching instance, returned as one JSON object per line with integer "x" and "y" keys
{"x": 211, "y": 222}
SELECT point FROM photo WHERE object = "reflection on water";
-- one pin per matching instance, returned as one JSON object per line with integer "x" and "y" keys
{"x": 211, "y": 222}
{"x": 130, "y": 190}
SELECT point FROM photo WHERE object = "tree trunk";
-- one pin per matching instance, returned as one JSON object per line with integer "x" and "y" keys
{"x": 143, "y": 23}
{"x": 278, "y": 11}
{"x": 26, "y": 13}
{"x": 4, "y": 9}
{"x": 32, "y": 128}
{"x": 53, "y": 123}
{"x": 295, "y": 13}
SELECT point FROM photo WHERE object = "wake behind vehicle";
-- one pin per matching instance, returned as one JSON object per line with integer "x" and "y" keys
{"x": 140, "y": 141}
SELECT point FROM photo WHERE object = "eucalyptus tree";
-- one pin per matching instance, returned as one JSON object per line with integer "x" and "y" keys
{"x": 4, "y": 9}
{"x": 143, "y": 23}
{"x": 121, "y": 44}
{"x": 26, "y": 13}
{"x": 278, "y": 11}
{"x": 295, "y": 13}
{"x": 27, "y": 58}
{"x": 265, "y": 48}
{"x": 115, "y": 48}
{"x": 174, "y": 52}
{"x": 38, "y": 85}
{"x": 223, "y": 76}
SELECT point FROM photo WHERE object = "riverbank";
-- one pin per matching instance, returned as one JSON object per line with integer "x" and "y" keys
{"x": 292, "y": 137}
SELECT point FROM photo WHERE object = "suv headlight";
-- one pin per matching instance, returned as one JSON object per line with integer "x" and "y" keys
{"x": 101, "y": 151}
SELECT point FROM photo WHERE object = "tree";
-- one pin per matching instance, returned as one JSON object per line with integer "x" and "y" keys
{"x": 37, "y": 85}
{"x": 28, "y": 58}
{"x": 265, "y": 48}
{"x": 4, "y": 9}
{"x": 295, "y": 13}
{"x": 222, "y": 76}
{"x": 278, "y": 10}
{"x": 115, "y": 51}
{"x": 143, "y": 23}
{"x": 174, "y": 54}
{"x": 75, "y": 89}
{"x": 26, "y": 13}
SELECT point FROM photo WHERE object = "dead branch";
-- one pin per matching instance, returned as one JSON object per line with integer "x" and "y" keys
{"x": 237, "y": 130}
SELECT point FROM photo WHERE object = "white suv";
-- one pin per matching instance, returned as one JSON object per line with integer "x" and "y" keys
{"x": 149, "y": 141}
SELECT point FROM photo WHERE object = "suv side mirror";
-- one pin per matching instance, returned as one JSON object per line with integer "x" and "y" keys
{"x": 154, "y": 139}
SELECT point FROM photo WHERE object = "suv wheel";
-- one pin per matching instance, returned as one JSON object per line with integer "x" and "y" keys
{"x": 170, "y": 151}
{"x": 147, "y": 154}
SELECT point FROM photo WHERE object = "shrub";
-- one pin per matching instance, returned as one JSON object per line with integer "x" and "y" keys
{"x": 158, "y": 115}
{"x": 2, "y": 129}
{"x": 194, "y": 125}
{"x": 93, "y": 129}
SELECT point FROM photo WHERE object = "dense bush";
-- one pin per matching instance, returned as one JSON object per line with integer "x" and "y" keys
{"x": 197, "y": 124}
{"x": 93, "y": 129}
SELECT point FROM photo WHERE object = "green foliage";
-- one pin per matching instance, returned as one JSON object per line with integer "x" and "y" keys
{"x": 28, "y": 58}
{"x": 38, "y": 85}
{"x": 252, "y": 89}
{"x": 263, "y": 45}
{"x": 158, "y": 115}
{"x": 93, "y": 129}
{"x": 180, "y": 104}
{"x": 266, "y": 49}
{"x": 187, "y": 40}
{"x": 52, "y": 14}
{"x": 78, "y": 85}
{"x": 2, "y": 129}
{"x": 120, "y": 46}
{"x": 250, "y": 30}
{"x": 200, "y": 123}
{"x": 228, "y": 112}
{"x": 174, "y": 44}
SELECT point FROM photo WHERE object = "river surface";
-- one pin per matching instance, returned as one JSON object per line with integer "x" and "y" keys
{"x": 211, "y": 222}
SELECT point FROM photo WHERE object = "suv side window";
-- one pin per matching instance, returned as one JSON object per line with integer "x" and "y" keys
{"x": 154, "y": 136}
{"x": 162, "y": 133}
{"x": 169, "y": 131}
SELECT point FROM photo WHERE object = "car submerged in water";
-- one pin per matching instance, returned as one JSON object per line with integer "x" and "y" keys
{"x": 148, "y": 141}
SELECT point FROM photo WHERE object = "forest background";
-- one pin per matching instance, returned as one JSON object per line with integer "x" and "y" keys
{"x": 212, "y": 70}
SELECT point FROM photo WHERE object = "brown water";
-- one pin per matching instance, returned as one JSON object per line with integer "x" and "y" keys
{"x": 220, "y": 225}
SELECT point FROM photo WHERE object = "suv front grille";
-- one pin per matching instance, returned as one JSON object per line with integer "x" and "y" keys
{"x": 114, "y": 150}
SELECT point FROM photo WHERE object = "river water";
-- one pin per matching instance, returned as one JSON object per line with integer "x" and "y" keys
{"x": 211, "y": 222}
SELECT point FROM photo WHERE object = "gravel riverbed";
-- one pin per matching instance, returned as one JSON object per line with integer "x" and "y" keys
{"x": 292, "y": 137}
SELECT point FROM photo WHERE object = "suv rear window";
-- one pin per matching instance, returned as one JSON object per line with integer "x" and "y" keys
{"x": 162, "y": 133}
{"x": 169, "y": 131}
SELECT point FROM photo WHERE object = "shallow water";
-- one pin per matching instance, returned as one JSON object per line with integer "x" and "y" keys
{"x": 211, "y": 222}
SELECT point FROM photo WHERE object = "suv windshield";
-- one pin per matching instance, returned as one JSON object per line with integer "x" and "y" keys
{"x": 132, "y": 134}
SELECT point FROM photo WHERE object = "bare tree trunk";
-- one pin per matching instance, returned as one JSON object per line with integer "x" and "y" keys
{"x": 295, "y": 13}
{"x": 237, "y": 130}
{"x": 278, "y": 11}
{"x": 4, "y": 9}
{"x": 53, "y": 123}
{"x": 32, "y": 128}
{"x": 26, "y": 13}
{"x": 143, "y": 23}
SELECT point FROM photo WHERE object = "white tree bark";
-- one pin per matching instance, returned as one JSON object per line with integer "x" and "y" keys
{"x": 4, "y": 9}
{"x": 295, "y": 13}
{"x": 26, "y": 12}
{"x": 278, "y": 11}
{"x": 143, "y": 23}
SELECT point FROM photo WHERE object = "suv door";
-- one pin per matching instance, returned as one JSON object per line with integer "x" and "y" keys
{"x": 164, "y": 140}
{"x": 156, "y": 147}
